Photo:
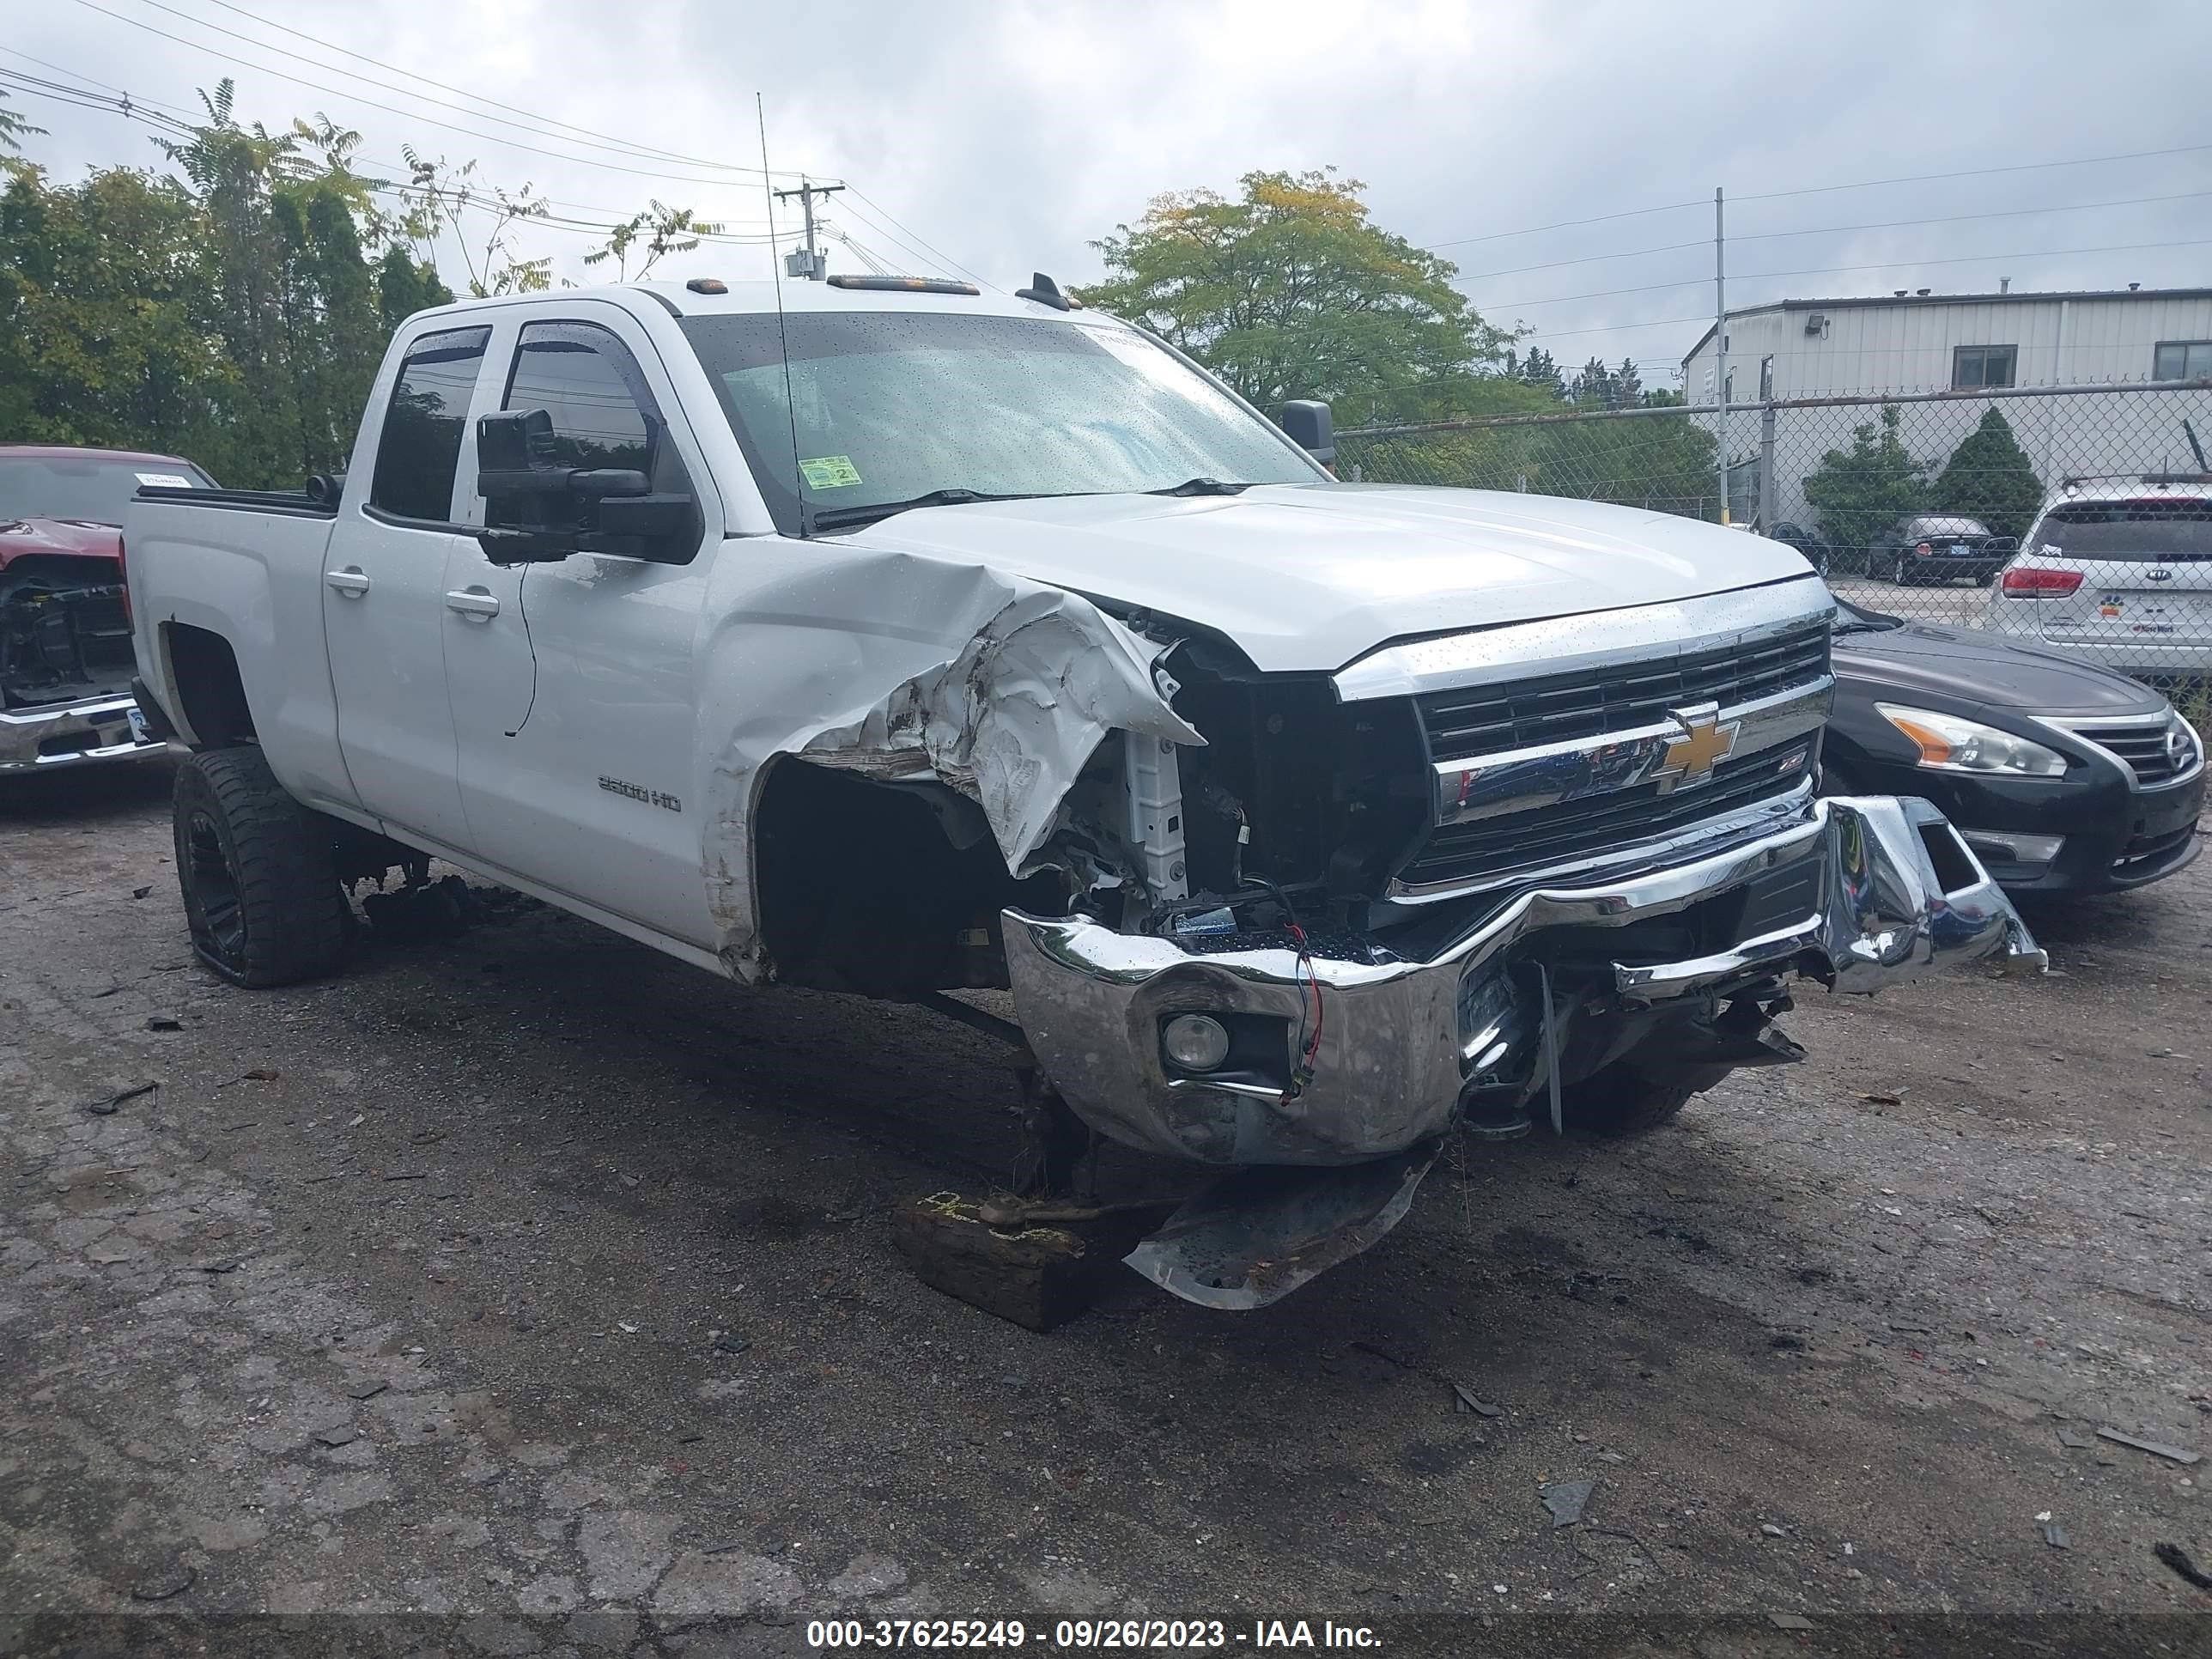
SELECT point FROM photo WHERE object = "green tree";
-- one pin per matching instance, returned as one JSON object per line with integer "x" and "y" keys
{"x": 1291, "y": 290}
{"x": 660, "y": 229}
{"x": 1861, "y": 491}
{"x": 103, "y": 338}
{"x": 233, "y": 173}
{"x": 14, "y": 129}
{"x": 1663, "y": 463}
{"x": 1537, "y": 368}
{"x": 439, "y": 195}
{"x": 405, "y": 285}
{"x": 1989, "y": 477}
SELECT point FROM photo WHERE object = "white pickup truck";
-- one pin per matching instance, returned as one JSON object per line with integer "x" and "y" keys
{"x": 886, "y": 637}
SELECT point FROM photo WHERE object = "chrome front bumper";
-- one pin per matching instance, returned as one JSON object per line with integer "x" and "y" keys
{"x": 43, "y": 737}
{"x": 1402, "y": 1041}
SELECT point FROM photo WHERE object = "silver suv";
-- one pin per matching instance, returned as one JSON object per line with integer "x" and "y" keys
{"x": 2118, "y": 571}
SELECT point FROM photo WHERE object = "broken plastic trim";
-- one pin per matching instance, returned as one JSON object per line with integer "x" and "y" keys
{"x": 1254, "y": 1236}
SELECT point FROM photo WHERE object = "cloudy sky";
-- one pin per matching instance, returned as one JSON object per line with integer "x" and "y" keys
{"x": 998, "y": 138}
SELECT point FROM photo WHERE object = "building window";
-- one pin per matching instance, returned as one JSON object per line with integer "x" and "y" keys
{"x": 2182, "y": 360}
{"x": 1978, "y": 366}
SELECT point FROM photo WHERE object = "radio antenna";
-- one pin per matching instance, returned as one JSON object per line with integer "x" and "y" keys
{"x": 783, "y": 332}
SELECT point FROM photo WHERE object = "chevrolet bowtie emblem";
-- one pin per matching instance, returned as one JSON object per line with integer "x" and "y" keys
{"x": 1705, "y": 743}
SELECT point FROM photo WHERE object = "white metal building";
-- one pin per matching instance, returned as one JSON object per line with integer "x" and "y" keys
{"x": 1929, "y": 343}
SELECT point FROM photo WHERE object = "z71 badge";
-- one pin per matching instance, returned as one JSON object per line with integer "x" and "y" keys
{"x": 639, "y": 792}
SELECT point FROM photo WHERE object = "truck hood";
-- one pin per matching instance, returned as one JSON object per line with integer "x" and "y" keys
{"x": 1309, "y": 577}
{"x": 74, "y": 538}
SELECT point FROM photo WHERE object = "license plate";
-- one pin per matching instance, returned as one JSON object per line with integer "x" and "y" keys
{"x": 1958, "y": 550}
{"x": 138, "y": 724}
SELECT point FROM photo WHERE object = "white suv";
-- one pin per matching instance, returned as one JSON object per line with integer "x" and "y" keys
{"x": 2118, "y": 571}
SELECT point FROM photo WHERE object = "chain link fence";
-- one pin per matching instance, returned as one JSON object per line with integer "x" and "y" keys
{"x": 2076, "y": 517}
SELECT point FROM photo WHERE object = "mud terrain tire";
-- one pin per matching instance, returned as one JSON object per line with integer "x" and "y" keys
{"x": 257, "y": 872}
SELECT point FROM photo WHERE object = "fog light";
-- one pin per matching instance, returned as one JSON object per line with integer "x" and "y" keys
{"x": 1197, "y": 1043}
{"x": 2014, "y": 850}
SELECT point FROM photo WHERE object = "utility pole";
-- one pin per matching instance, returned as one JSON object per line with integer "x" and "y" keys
{"x": 1720, "y": 346}
{"x": 810, "y": 265}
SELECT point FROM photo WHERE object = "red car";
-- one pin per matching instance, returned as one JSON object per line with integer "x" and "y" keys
{"x": 65, "y": 656}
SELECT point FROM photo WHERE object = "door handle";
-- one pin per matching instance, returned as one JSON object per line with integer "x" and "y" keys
{"x": 350, "y": 582}
{"x": 476, "y": 603}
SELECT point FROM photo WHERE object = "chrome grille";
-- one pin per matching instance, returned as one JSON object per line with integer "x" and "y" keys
{"x": 1465, "y": 854}
{"x": 2144, "y": 748}
{"x": 1562, "y": 707}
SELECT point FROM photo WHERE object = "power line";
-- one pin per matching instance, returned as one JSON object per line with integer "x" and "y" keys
{"x": 122, "y": 103}
{"x": 459, "y": 200}
{"x": 909, "y": 240}
{"x": 618, "y": 146}
{"x": 1833, "y": 230}
{"x": 516, "y": 109}
{"x": 412, "y": 115}
{"x": 921, "y": 260}
{"x": 1828, "y": 270}
{"x": 1564, "y": 224}
{"x": 1977, "y": 173}
{"x": 1823, "y": 190}
{"x": 985, "y": 281}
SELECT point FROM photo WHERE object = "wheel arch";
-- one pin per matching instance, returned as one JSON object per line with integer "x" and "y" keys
{"x": 212, "y": 710}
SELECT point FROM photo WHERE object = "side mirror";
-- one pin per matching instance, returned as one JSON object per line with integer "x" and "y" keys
{"x": 529, "y": 509}
{"x": 599, "y": 484}
{"x": 1306, "y": 420}
{"x": 537, "y": 511}
{"x": 2005, "y": 544}
{"x": 516, "y": 457}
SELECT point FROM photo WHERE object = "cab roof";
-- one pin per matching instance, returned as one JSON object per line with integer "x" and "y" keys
{"x": 744, "y": 299}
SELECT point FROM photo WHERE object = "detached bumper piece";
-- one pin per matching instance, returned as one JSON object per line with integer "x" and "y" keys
{"x": 1254, "y": 1236}
{"x": 1861, "y": 893}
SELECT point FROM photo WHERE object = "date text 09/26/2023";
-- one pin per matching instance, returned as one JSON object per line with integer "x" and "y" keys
{"x": 1123, "y": 1635}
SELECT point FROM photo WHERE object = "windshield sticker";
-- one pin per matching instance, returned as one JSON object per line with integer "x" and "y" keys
{"x": 166, "y": 480}
{"x": 830, "y": 473}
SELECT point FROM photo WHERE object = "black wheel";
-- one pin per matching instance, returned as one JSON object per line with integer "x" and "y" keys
{"x": 1624, "y": 1100}
{"x": 1985, "y": 579}
{"x": 257, "y": 871}
{"x": 1899, "y": 574}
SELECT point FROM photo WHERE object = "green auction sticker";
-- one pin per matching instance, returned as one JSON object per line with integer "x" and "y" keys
{"x": 830, "y": 473}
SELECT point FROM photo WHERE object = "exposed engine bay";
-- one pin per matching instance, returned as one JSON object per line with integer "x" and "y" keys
{"x": 64, "y": 633}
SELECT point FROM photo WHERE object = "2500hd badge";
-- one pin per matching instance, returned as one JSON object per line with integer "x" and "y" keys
{"x": 639, "y": 792}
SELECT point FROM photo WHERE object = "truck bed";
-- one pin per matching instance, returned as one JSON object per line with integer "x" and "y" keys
{"x": 297, "y": 502}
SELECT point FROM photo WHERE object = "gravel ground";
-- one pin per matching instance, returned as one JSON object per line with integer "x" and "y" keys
{"x": 530, "y": 1284}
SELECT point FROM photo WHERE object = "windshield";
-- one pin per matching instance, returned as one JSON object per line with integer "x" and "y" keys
{"x": 94, "y": 488}
{"x": 889, "y": 406}
{"x": 2127, "y": 530}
